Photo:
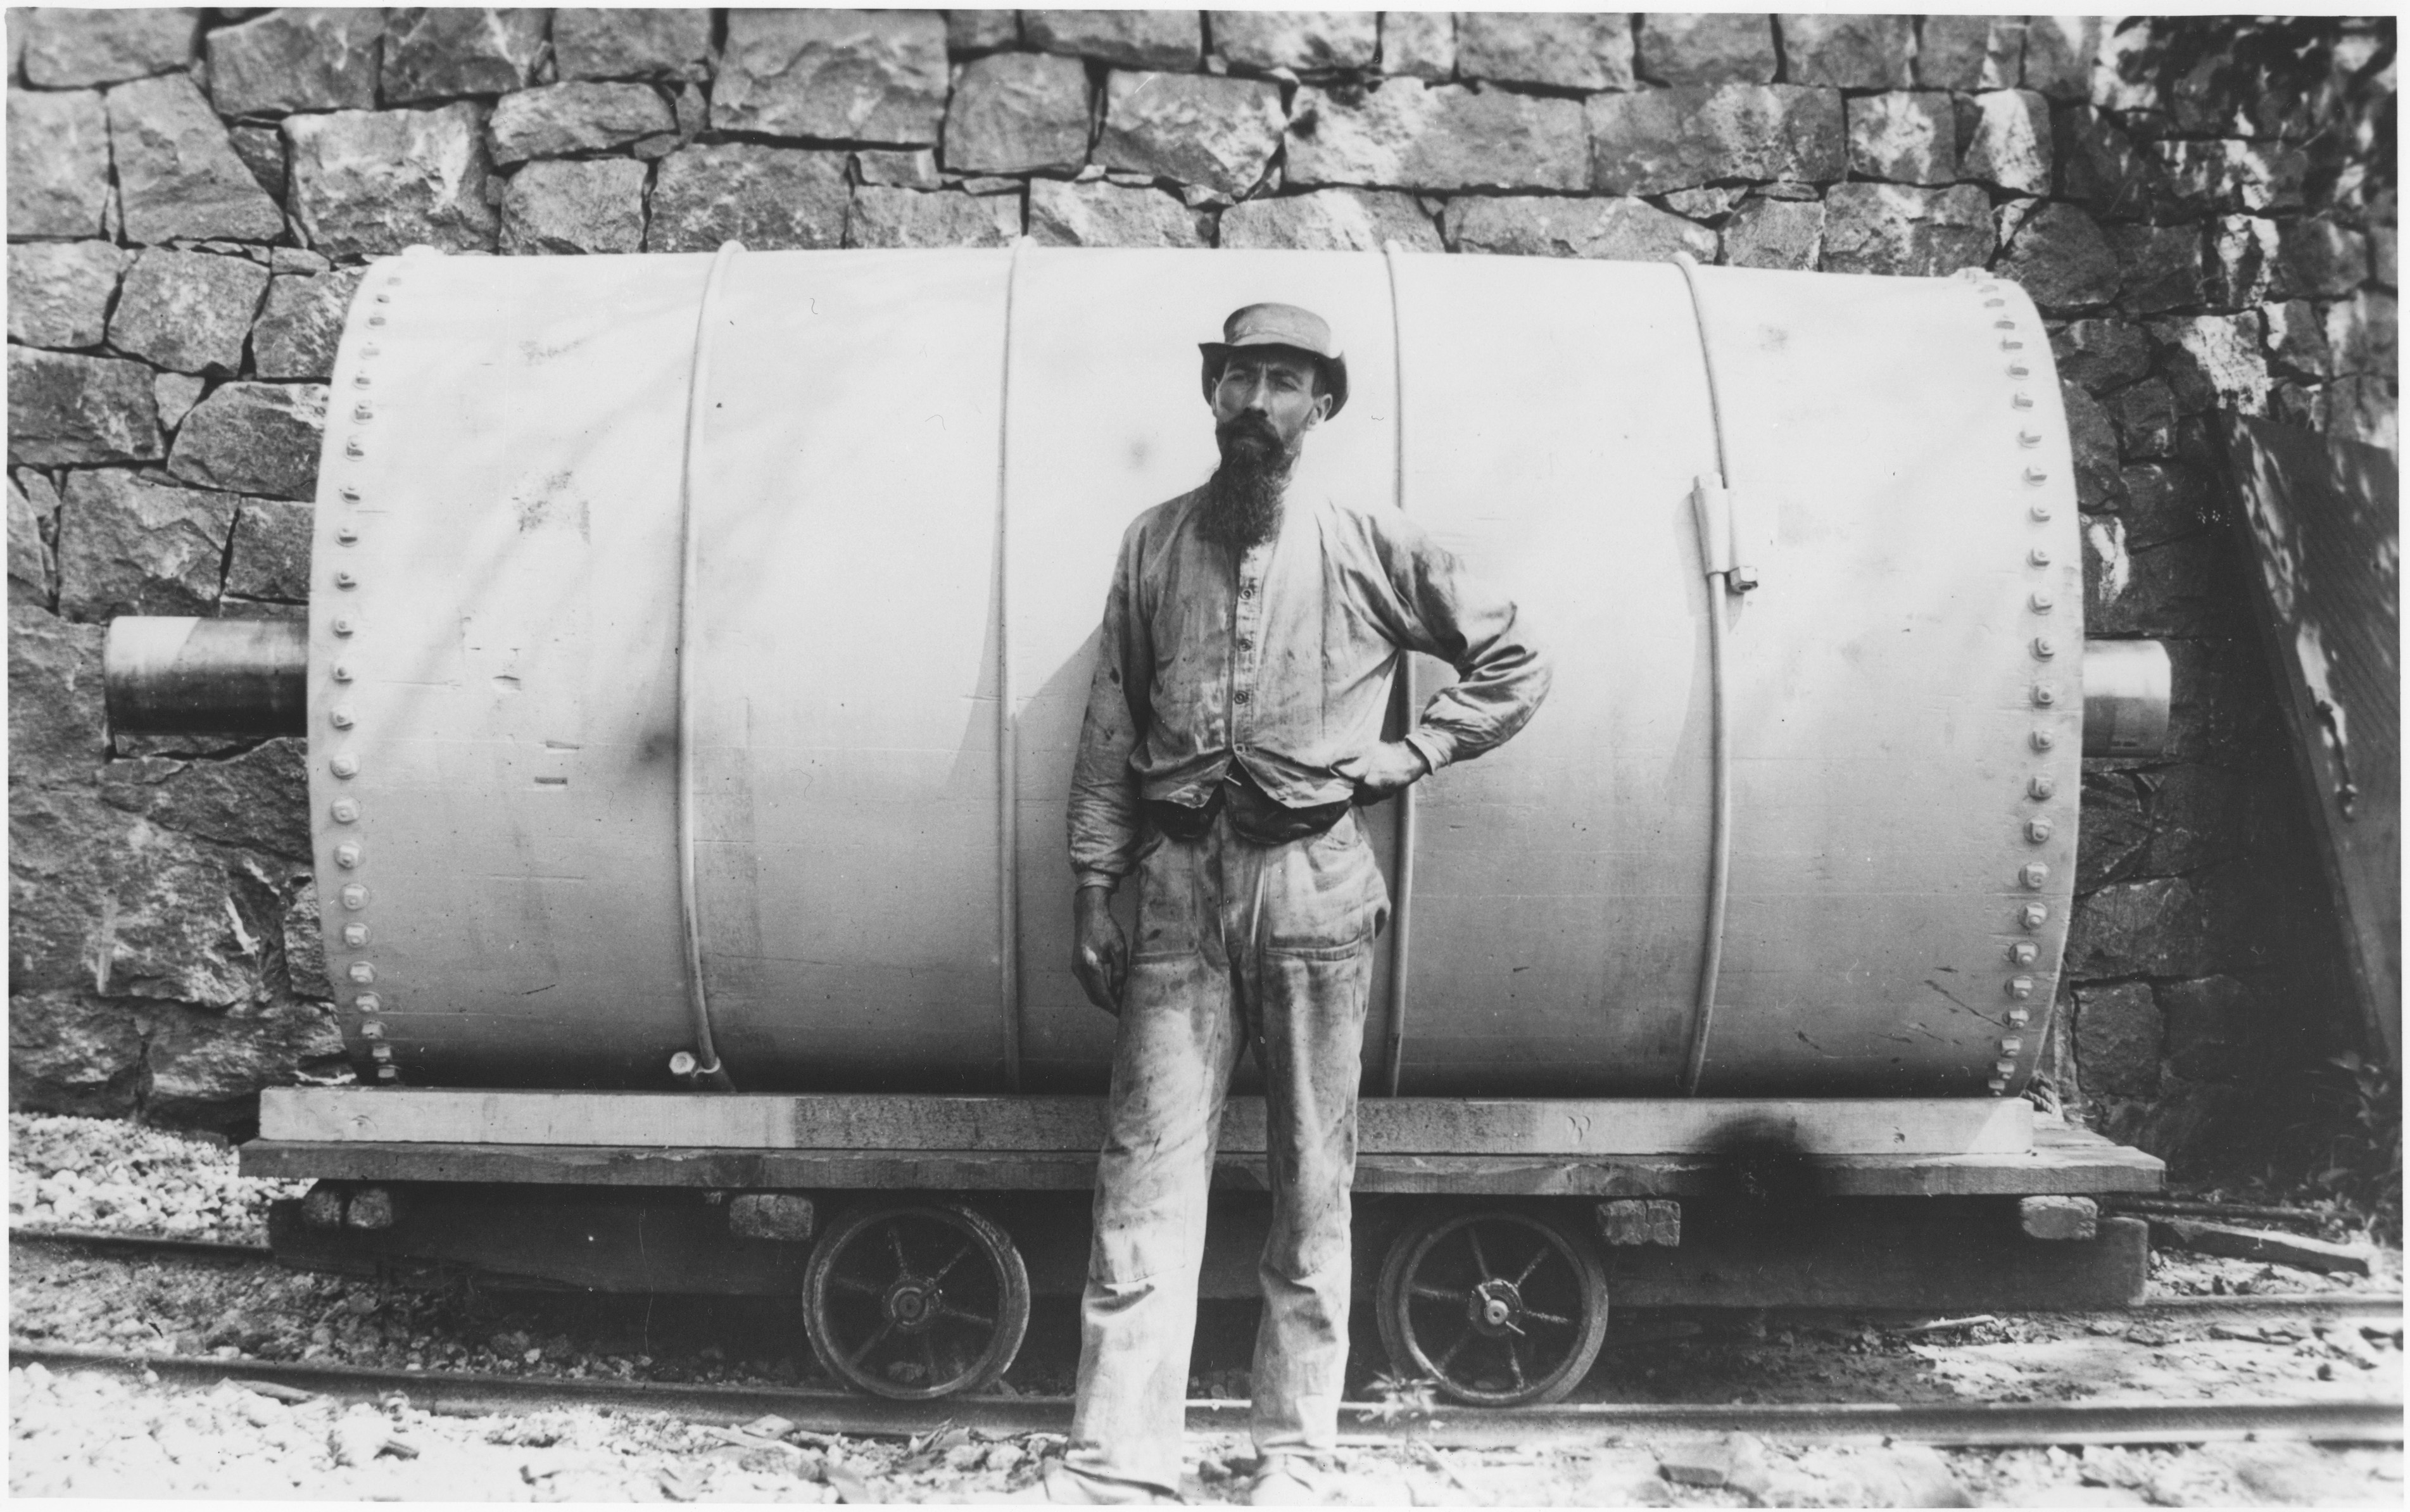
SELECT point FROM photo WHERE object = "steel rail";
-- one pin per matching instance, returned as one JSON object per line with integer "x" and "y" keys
{"x": 2358, "y": 1420}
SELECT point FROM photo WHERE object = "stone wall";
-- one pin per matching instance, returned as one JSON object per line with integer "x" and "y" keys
{"x": 2204, "y": 210}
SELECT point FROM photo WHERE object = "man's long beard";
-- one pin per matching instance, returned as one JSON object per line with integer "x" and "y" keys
{"x": 1243, "y": 497}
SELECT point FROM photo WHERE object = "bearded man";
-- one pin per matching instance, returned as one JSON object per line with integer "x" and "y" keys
{"x": 1233, "y": 726}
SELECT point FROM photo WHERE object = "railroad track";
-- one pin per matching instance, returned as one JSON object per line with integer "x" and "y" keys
{"x": 1944, "y": 1424}
{"x": 2319, "y": 1305}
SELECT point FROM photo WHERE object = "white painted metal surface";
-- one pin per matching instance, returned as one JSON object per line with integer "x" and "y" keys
{"x": 907, "y": 501}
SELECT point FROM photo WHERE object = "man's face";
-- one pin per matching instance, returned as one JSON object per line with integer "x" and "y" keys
{"x": 1266, "y": 401}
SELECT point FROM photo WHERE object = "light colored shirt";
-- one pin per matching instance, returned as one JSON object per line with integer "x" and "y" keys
{"x": 1277, "y": 658}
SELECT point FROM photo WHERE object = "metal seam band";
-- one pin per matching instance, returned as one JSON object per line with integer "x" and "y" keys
{"x": 690, "y": 619}
{"x": 1711, "y": 948}
{"x": 1401, "y": 904}
{"x": 1007, "y": 765}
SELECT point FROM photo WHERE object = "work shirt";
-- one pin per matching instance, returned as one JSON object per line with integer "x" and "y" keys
{"x": 1277, "y": 658}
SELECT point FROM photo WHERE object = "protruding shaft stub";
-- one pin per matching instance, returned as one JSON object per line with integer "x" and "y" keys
{"x": 177, "y": 676}
{"x": 2128, "y": 693}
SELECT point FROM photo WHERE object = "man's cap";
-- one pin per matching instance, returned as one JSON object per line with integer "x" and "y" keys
{"x": 1285, "y": 326}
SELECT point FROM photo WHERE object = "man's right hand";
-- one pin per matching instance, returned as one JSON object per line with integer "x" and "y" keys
{"x": 1100, "y": 954}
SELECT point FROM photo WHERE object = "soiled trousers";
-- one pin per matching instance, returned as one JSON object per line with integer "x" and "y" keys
{"x": 1269, "y": 946}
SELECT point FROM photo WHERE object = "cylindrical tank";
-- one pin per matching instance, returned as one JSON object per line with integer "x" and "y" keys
{"x": 903, "y": 479}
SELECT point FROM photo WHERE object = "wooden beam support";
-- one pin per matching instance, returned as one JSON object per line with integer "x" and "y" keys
{"x": 1386, "y": 1126}
{"x": 2066, "y": 1161}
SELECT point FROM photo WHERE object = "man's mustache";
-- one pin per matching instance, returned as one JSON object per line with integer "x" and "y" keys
{"x": 1247, "y": 428}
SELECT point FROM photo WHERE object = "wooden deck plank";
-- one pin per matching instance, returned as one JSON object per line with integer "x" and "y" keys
{"x": 1393, "y": 1126}
{"x": 2072, "y": 1167}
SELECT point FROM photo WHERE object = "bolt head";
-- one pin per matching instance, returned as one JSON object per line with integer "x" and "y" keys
{"x": 2042, "y": 603}
{"x": 2039, "y": 556}
{"x": 2045, "y": 648}
{"x": 2041, "y": 513}
{"x": 355, "y": 897}
{"x": 346, "y": 765}
{"x": 2016, "y": 370}
{"x": 2044, "y": 695}
{"x": 342, "y": 625}
{"x": 372, "y": 1030}
{"x": 2034, "y": 875}
{"x": 340, "y": 672}
{"x": 345, "y": 811}
{"x": 2024, "y": 953}
{"x": 367, "y": 1003}
{"x": 355, "y": 934}
{"x": 341, "y": 718}
{"x": 2042, "y": 789}
{"x": 2037, "y": 830}
{"x": 2044, "y": 740}
{"x": 362, "y": 972}
{"x": 683, "y": 1064}
{"x": 347, "y": 855}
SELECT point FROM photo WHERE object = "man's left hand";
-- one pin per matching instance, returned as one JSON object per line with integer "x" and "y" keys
{"x": 1390, "y": 768}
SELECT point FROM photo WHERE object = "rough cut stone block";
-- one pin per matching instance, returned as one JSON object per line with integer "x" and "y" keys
{"x": 2163, "y": 267}
{"x": 63, "y": 408}
{"x": 58, "y": 163}
{"x": 2100, "y": 165}
{"x": 2360, "y": 334}
{"x": 58, "y": 726}
{"x": 1907, "y": 137}
{"x": 73, "y": 1053}
{"x": 258, "y": 800}
{"x": 1664, "y": 140}
{"x": 2062, "y": 259}
{"x": 1641, "y": 1221}
{"x": 2146, "y": 419}
{"x": 883, "y": 217}
{"x": 876, "y": 76}
{"x": 973, "y": 31}
{"x": 1019, "y": 113}
{"x": 2243, "y": 257}
{"x": 1331, "y": 220}
{"x": 630, "y": 43}
{"x": 1192, "y": 129}
{"x": 59, "y": 291}
{"x": 71, "y": 47}
{"x": 1109, "y": 215}
{"x": 2232, "y": 175}
{"x": 366, "y": 183}
{"x": 595, "y": 205}
{"x": 1421, "y": 43}
{"x": 1970, "y": 52}
{"x": 1408, "y": 135}
{"x": 295, "y": 59}
{"x": 187, "y": 311}
{"x": 271, "y": 560}
{"x": 899, "y": 168}
{"x": 1891, "y": 229}
{"x": 177, "y": 176}
{"x": 2100, "y": 354}
{"x": 2160, "y": 927}
{"x": 2058, "y": 1217}
{"x": 207, "y": 1069}
{"x": 136, "y": 544}
{"x": 767, "y": 197}
{"x": 2364, "y": 409}
{"x": 299, "y": 328}
{"x": 2117, "y": 1035}
{"x": 261, "y": 148}
{"x": 556, "y": 120}
{"x": 253, "y": 438}
{"x": 2211, "y": 1024}
{"x": 32, "y": 569}
{"x": 1623, "y": 229}
{"x": 1563, "y": 49}
{"x": 1303, "y": 41}
{"x": 1775, "y": 233}
{"x": 440, "y": 52}
{"x": 1847, "y": 51}
{"x": 2092, "y": 441}
{"x": 2060, "y": 55}
{"x": 175, "y": 393}
{"x": 2216, "y": 361}
{"x": 2318, "y": 259}
{"x": 1707, "y": 48}
{"x": 2168, "y": 502}
{"x": 2128, "y": 67}
{"x": 2007, "y": 141}
{"x": 1169, "y": 39}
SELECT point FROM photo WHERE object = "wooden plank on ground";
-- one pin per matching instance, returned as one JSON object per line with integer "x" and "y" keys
{"x": 2205, "y": 1238}
{"x": 1399, "y": 1125}
{"x": 2321, "y": 520}
{"x": 2085, "y": 1169}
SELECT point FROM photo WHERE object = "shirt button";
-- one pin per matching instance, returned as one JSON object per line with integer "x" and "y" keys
{"x": 1240, "y": 697}
{"x": 1246, "y": 591}
{"x": 1246, "y": 643}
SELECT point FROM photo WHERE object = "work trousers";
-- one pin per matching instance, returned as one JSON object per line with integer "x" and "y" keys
{"x": 1270, "y": 946}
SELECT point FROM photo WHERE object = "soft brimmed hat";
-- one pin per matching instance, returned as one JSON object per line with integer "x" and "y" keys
{"x": 1280, "y": 325}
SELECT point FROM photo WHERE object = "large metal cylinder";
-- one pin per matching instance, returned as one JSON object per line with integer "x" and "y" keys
{"x": 904, "y": 480}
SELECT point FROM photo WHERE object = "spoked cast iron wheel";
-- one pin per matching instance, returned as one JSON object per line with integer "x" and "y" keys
{"x": 1501, "y": 1308}
{"x": 915, "y": 1302}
